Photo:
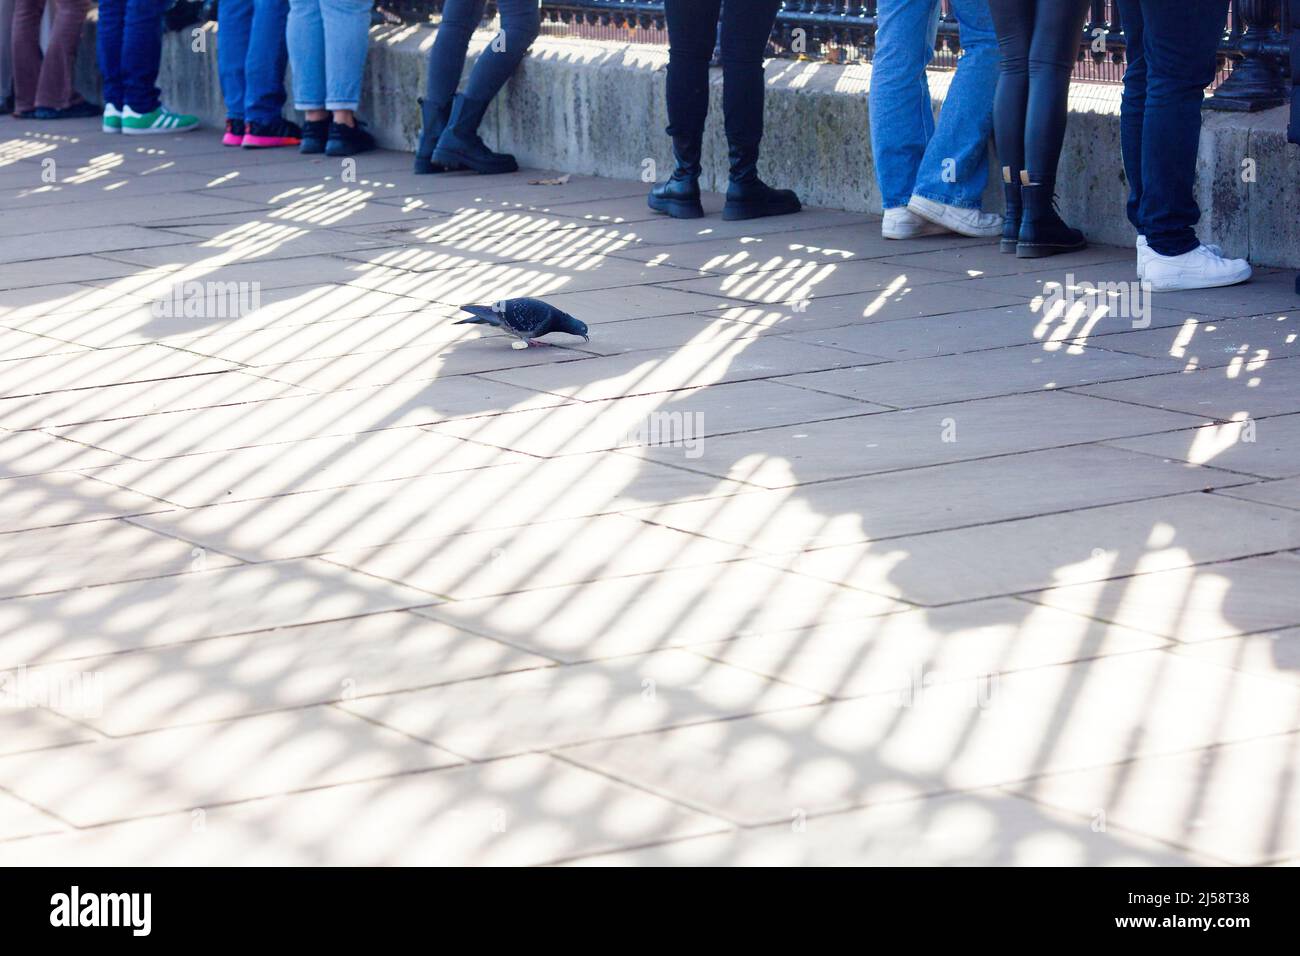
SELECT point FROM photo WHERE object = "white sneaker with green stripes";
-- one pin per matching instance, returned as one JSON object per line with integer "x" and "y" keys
{"x": 160, "y": 120}
{"x": 112, "y": 119}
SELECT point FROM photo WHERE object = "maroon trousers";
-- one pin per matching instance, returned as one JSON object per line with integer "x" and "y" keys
{"x": 46, "y": 80}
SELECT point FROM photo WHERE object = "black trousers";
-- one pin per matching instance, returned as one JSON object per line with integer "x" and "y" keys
{"x": 692, "y": 32}
{"x": 1039, "y": 44}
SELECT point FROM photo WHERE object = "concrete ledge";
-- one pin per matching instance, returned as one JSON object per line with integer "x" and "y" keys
{"x": 598, "y": 108}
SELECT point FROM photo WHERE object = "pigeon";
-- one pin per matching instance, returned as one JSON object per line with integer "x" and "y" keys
{"x": 525, "y": 319}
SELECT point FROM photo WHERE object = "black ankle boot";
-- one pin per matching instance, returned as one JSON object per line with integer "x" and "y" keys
{"x": 460, "y": 145}
{"x": 1042, "y": 231}
{"x": 433, "y": 120}
{"x": 1010, "y": 216}
{"x": 679, "y": 197}
{"x": 748, "y": 197}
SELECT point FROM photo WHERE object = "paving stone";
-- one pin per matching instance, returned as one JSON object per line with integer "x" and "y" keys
{"x": 110, "y": 618}
{"x": 891, "y": 747}
{"x": 677, "y": 608}
{"x": 983, "y": 828}
{"x": 1078, "y": 547}
{"x": 1194, "y": 604}
{"x": 959, "y": 378}
{"x": 544, "y": 708}
{"x": 356, "y": 658}
{"x": 1254, "y": 389}
{"x": 1267, "y": 447}
{"x": 210, "y": 764}
{"x": 1222, "y": 802}
{"x": 523, "y": 811}
{"x": 876, "y": 443}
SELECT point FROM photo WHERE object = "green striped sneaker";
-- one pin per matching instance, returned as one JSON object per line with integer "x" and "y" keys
{"x": 112, "y": 119}
{"x": 161, "y": 120}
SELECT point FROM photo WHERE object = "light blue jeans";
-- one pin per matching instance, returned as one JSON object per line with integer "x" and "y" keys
{"x": 328, "y": 40}
{"x": 948, "y": 164}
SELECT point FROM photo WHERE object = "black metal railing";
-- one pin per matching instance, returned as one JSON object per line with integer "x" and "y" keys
{"x": 1254, "y": 52}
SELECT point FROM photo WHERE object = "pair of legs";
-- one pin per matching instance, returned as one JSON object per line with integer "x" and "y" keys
{"x": 328, "y": 41}
{"x": 1171, "y": 60}
{"x": 1039, "y": 44}
{"x": 6, "y": 54}
{"x": 456, "y": 140}
{"x": 45, "y": 82}
{"x": 740, "y": 29}
{"x": 251, "y": 58}
{"x": 130, "y": 50}
{"x": 947, "y": 163}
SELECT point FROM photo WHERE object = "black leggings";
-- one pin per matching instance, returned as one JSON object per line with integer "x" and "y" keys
{"x": 692, "y": 32}
{"x": 1039, "y": 43}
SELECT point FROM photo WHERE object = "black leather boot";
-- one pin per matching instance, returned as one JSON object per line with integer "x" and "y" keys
{"x": 1042, "y": 231}
{"x": 461, "y": 146}
{"x": 432, "y": 122}
{"x": 679, "y": 197}
{"x": 1011, "y": 214}
{"x": 748, "y": 197}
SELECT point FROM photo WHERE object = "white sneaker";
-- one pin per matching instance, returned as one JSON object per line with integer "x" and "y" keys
{"x": 1202, "y": 268}
{"x": 112, "y": 121}
{"x": 901, "y": 223}
{"x": 1144, "y": 253}
{"x": 966, "y": 222}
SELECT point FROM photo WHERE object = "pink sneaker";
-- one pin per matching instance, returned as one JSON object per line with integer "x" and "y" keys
{"x": 234, "y": 135}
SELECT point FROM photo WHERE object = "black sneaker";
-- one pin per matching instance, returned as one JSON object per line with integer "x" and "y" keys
{"x": 270, "y": 135}
{"x": 75, "y": 111}
{"x": 234, "y": 134}
{"x": 348, "y": 140}
{"x": 315, "y": 133}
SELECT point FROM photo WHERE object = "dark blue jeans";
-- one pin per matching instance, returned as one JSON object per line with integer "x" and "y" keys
{"x": 1171, "y": 46}
{"x": 130, "y": 48}
{"x": 520, "y": 24}
{"x": 251, "y": 57}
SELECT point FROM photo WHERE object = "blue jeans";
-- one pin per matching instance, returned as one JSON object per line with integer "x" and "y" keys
{"x": 130, "y": 49}
{"x": 251, "y": 57}
{"x": 1171, "y": 60}
{"x": 328, "y": 40}
{"x": 521, "y": 21}
{"x": 948, "y": 164}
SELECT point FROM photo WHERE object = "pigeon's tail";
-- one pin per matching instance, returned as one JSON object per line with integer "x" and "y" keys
{"x": 480, "y": 315}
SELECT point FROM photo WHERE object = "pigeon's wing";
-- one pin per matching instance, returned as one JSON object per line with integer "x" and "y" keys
{"x": 529, "y": 317}
{"x": 481, "y": 314}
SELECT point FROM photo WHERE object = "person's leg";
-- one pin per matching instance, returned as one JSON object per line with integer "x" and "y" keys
{"x": 6, "y": 53}
{"x": 108, "y": 49}
{"x": 305, "y": 36}
{"x": 1014, "y": 21}
{"x": 1133, "y": 104}
{"x": 460, "y": 18}
{"x": 954, "y": 168}
{"x": 55, "y": 91}
{"x": 26, "y": 46}
{"x": 1053, "y": 51}
{"x": 142, "y": 54}
{"x": 746, "y": 29}
{"x": 1179, "y": 43}
{"x": 347, "y": 40}
{"x": 902, "y": 119}
{"x": 693, "y": 29}
{"x": 692, "y": 26}
{"x": 521, "y": 21}
{"x": 264, "y": 64}
{"x": 234, "y": 29}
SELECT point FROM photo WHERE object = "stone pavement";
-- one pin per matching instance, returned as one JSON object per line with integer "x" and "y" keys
{"x": 825, "y": 549}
